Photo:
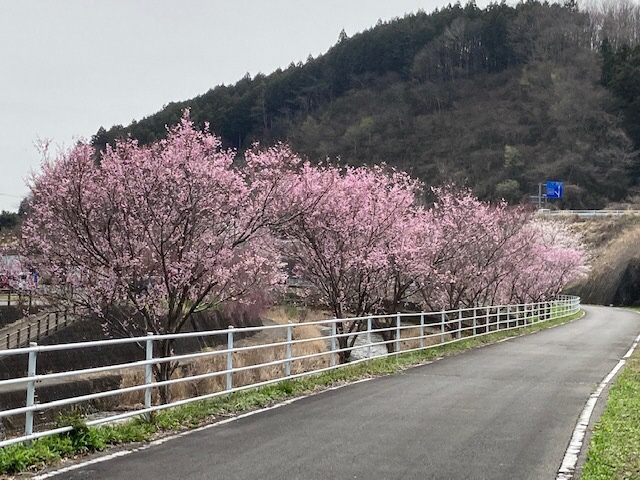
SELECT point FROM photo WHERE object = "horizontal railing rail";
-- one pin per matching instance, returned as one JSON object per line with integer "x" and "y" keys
{"x": 589, "y": 213}
{"x": 292, "y": 351}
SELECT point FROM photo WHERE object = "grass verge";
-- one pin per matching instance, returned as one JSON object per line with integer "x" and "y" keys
{"x": 83, "y": 439}
{"x": 614, "y": 449}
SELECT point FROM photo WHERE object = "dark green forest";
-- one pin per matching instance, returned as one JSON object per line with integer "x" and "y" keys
{"x": 8, "y": 220}
{"x": 498, "y": 99}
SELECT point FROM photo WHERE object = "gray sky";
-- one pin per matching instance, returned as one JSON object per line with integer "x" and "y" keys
{"x": 68, "y": 67}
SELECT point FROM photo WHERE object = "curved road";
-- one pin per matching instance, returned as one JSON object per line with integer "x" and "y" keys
{"x": 506, "y": 411}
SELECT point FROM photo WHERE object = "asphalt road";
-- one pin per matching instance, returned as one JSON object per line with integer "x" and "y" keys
{"x": 505, "y": 411}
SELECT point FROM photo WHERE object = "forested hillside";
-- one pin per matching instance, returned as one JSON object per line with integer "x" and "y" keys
{"x": 498, "y": 99}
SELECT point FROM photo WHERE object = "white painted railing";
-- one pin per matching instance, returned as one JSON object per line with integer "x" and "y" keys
{"x": 285, "y": 358}
{"x": 587, "y": 213}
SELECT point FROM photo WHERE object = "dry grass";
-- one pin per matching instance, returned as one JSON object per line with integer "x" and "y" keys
{"x": 314, "y": 344}
{"x": 415, "y": 342}
{"x": 609, "y": 266}
{"x": 612, "y": 245}
{"x": 599, "y": 232}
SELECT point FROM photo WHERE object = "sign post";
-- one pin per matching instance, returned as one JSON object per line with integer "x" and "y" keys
{"x": 552, "y": 190}
{"x": 539, "y": 196}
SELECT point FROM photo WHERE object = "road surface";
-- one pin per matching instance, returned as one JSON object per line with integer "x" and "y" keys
{"x": 506, "y": 411}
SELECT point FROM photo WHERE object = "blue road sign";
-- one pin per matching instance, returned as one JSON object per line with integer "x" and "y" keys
{"x": 554, "y": 189}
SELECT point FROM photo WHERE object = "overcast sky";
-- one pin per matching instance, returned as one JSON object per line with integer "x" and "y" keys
{"x": 68, "y": 67}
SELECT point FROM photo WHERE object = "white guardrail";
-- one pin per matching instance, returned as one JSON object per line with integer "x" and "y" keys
{"x": 587, "y": 213}
{"x": 284, "y": 358}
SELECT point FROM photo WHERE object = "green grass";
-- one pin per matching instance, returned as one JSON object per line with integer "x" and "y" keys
{"x": 84, "y": 439}
{"x": 614, "y": 449}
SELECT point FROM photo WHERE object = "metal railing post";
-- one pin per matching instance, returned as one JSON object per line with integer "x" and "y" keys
{"x": 475, "y": 318}
{"x": 422, "y": 330}
{"x": 534, "y": 310}
{"x": 398, "y": 332}
{"x": 369, "y": 325}
{"x": 287, "y": 365}
{"x": 442, "y": 326}
{"x": 519, "y": 313}
{"x": 31, "y": 390}
{"x": 148, "y": 374}
{"x": 488, "y": 329}
{"x": 334, "y": 332}
{"x": 459, "y": 323}
{"x": 509, "y": 316}
{"x": 229, "y": 357}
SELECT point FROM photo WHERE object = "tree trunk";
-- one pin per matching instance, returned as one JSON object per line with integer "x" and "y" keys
{"x": 387, "y": 335}
{"x": 164, "y": 370}
{"x": 344, "y": 356}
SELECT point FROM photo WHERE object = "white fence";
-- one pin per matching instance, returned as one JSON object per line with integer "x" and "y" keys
{"x": 282, "y": 356}
{"x": 587, "y": 213}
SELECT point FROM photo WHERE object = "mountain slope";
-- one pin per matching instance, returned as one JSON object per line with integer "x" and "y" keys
{"x": 498, "y": 99}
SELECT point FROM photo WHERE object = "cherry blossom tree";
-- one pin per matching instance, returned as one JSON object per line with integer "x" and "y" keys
{"x": 147, "y": 235}
{"x": 462, "y": 266}
{"x": 342, "y": 245}
{"x": 479, "y": 254}
{"x": 411, "y": 257}
{"x": 554, "y": 256}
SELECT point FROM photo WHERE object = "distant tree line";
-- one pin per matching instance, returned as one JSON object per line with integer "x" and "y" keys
{"x": 8, "y": 220}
